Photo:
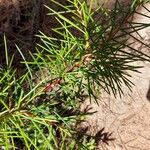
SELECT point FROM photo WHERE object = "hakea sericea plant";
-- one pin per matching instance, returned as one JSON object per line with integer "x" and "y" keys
{"x": 86, "y": 54}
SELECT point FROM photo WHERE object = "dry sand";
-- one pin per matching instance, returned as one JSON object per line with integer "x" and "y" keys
{"x": 128, "y": 118}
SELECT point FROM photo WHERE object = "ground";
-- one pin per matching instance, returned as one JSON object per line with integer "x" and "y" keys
{"x": 128, "y": 117}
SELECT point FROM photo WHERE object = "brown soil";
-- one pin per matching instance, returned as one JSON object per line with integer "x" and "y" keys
{"x": 20, "y": 21}
{"x": 19, "y": 25}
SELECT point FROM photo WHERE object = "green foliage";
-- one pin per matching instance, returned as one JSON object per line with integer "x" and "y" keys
{"x": 40, "y": 109}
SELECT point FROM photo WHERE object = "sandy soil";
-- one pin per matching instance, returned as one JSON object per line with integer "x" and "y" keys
{"x": 128, "y": 118}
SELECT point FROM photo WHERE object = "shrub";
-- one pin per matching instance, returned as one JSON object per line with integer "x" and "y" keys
{"x": 40, "y": 109}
